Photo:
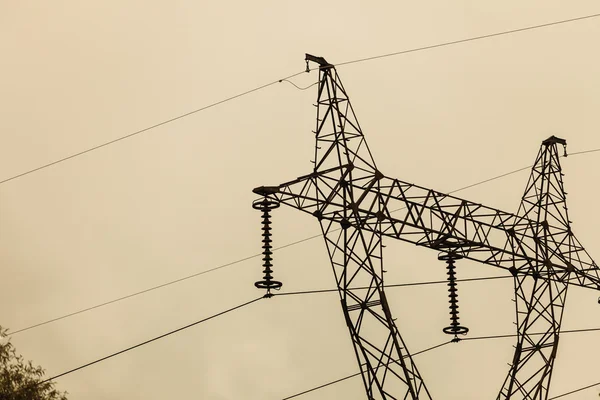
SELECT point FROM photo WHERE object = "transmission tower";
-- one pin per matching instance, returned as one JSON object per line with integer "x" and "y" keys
{"x": 353, "y": 202}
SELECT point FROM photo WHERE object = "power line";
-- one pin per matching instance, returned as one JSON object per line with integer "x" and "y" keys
{"x": 322, "y": 386}
{"x": 575, "y": 391}
{"x": 584, "y": 152}
{"x": 491, "y": 179}
{"x": 442, "y": 344}
{"x": 413, "y": 50}
{"x": 581, "y": 330}
{"x": 130, "y": 135}
{"x": 149, "y": 341}
{"x": 150, "y": 289}
{"x": 517, "y": 170}
{"x": 561, "y": 332}
{"x": 508, "y": 335}
{"x": 158, "y": 286}
{"x": 248, "y": 258}
{"x": 226, "y": 265}
{"x": 511, "y": 335}
{"x": 565, "y": 21}
{"x": 134, "y": 294}
{"x": 395, "y": 285}
{"x": 298, "y": 87}
{"x": 357, "y": 374}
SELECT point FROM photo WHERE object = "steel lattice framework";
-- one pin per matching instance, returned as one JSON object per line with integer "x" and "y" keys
{"x": 357, "y": 206}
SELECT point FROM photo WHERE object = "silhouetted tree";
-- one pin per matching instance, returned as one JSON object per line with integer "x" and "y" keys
{"x": 20, "y": 379}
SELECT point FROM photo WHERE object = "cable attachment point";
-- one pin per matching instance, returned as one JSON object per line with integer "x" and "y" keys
{"x": 455, "y": 328}
{"x": 266, "y": 205}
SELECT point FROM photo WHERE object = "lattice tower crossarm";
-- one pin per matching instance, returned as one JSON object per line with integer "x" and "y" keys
{"x": 357, "y": 206}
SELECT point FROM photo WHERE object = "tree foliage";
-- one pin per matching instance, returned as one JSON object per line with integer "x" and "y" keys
{"x": 20, "y": 379}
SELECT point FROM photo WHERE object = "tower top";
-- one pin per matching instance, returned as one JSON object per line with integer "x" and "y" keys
{"x": 319, "y": 60}
{"x": 554, "y": 140}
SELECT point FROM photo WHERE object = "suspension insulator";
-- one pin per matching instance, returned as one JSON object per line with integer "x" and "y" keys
{"x": 455, "y": 328}
{"x": 266, "y": 205}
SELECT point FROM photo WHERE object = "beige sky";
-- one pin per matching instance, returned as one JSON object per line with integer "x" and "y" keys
{"x": 177, "y": 200}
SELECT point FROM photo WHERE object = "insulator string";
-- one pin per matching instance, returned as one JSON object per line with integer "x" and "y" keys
{"x": 266, "y": 205}
{"x": 455, "y": 328}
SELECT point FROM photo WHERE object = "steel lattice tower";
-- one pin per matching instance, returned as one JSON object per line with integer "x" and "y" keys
{"x": 540, "y": 302}
{"x": 357, "y": 206}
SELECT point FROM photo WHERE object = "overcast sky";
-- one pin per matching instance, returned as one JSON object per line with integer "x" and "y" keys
{"x": 176, "y": 200}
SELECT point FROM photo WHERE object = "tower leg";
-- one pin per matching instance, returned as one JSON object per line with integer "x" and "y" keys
{"x": 388, "y": 370}
{"x": 540, "y": 304}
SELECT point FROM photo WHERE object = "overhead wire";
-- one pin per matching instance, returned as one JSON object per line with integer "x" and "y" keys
{"x": 150, "y": 289}
{"x": 528, "y": 28}
{"x": 247, "y": 258}
{"x": 358, "y": 373}
{"x": 575, "y": 391}
{"x": 584, "y": 152}
{"x": 130, "y": 135}
{"x": 298, "y": 87}
{"x": 417, "y": 49}
{"x": 226, "y": 265}
{"x": 491, "y": 179}
{"x": 393, "y": 285}
{"x": 149, "y": 341}
{"x": 306, "y": 391}
{"x": 444, "y": 343}
{"x": 132, "y": 295}
{"x": 511, "y": 335}
{"x": 540, "y": 333}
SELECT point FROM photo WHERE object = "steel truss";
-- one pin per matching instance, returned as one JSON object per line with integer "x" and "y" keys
{"x": 357, "y": 206}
